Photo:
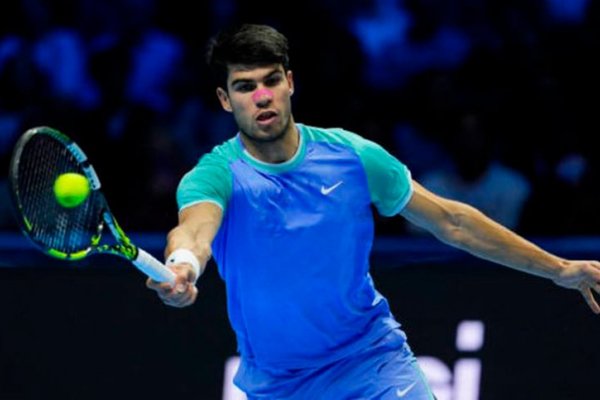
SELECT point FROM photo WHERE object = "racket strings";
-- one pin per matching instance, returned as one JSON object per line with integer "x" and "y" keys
{"x": 65, "y": 229}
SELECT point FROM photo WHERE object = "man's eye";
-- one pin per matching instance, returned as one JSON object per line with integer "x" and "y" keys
{"x": 273, "y": 81}
{"x": 246, "y": 87}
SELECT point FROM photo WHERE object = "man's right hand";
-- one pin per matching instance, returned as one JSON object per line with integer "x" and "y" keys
{"x": 182, "y": 292}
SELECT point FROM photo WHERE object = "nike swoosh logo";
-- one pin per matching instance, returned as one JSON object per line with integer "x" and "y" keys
{"x": 403, "y": 392}
{"x": 325, "y": 191}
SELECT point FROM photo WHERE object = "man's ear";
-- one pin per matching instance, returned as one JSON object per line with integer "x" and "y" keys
{"x": 224, "y": 99}
{"x": 290, "y": 78}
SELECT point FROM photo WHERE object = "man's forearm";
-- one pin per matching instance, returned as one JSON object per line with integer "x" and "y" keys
{"x": 485, "y": 238}
{"x": 196, "y": 231}
{"x": 196, "y": 240}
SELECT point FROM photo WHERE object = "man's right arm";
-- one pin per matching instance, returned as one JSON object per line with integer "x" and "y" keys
{"x": 197, "y": 227}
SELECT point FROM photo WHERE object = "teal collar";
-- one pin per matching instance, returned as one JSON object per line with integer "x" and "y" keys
{"x": 279, "y": 167}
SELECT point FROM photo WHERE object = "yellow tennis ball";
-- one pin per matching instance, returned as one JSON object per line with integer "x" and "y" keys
{"x": 71, "y": 189}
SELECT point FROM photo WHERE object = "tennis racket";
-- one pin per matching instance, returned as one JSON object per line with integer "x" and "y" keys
{"x": 42, "y": 154}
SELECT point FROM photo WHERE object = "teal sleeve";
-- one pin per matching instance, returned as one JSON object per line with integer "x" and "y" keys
{"x": 390, "y": 183}
{"x": 209, "y": 181}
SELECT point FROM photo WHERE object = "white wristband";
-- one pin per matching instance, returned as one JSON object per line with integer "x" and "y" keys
{"x": 184, "y": 256}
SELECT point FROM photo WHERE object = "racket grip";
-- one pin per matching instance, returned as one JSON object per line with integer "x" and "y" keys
{"x": 156, "y": 270}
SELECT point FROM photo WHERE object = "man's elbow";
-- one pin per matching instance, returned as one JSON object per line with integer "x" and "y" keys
{"x": 453, "y": 229}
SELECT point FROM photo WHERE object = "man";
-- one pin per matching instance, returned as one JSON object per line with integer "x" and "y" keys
{"x": 285, "y": 208}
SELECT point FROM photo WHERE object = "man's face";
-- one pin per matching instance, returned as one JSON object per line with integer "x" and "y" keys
{"x": 260, "y": 99}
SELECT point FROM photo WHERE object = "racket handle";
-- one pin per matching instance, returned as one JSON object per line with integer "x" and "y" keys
{"x": 156, "y": 270}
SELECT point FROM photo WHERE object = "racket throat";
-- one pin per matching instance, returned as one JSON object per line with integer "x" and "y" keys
{"x": 124, "y": 247}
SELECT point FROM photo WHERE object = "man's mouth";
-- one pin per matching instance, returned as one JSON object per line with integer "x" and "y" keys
{"x": 266, "y": 117}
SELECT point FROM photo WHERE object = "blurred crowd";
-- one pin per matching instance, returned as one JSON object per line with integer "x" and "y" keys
{"x": 489, "y": 102}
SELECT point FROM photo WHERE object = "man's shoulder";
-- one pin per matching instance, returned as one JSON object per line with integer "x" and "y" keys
{"x": 223, "y": 152}
{"x": 330, "y": 134}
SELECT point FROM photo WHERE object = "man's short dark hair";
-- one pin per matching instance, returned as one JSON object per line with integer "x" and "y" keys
{"x": 246, "y": 44}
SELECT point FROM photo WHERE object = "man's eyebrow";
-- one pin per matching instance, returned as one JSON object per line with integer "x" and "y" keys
{"x": 236, "y": 81}
{"x": 247, "y": 80}
{"x": 274, "y": 72}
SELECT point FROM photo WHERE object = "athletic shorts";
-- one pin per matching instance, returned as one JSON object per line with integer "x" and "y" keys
{"x": 386, "y": 370}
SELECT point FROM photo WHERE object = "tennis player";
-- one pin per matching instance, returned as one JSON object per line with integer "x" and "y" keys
{"x": 285, "y": 209}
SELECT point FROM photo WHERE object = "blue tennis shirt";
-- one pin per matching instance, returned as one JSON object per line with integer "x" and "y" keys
{"x": 294, "y": 244}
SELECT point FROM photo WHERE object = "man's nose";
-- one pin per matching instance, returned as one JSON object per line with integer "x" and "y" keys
{"x": 262, "y": 96}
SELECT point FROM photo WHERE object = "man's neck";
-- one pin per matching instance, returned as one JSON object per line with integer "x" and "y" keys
{"x": 277, "y": 151}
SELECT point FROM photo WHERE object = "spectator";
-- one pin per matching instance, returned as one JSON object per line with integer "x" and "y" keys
{"x": 476, "y": 177}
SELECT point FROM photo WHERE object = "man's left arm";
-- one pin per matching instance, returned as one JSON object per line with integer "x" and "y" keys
{"x": 467, "y": 228}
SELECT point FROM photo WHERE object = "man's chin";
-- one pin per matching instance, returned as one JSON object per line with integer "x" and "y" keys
{"x": 267, "y": 134}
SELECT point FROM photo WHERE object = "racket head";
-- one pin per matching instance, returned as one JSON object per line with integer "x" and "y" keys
{"x": 40, "y": 155}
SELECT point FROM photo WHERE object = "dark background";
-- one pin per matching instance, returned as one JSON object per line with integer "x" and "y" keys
{"x": 448, "y": 87}
{"x": 91, "y": 330}
{"x": 445, "y": 86}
